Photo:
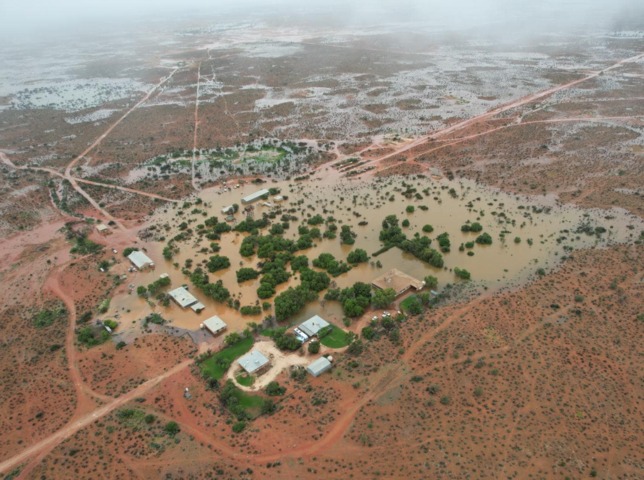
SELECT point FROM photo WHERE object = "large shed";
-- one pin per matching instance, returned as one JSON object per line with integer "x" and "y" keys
{"x": 399, "y": 281}
{"x": 182, "y": 297}
{"x": 254, "y": 362}
{"x": 255, "y": 196}
{"x": 215, "y": 325}
{"x": 312, "y": 326}
{"x": 140, "y": 260}
{"x": 319, "y": 366}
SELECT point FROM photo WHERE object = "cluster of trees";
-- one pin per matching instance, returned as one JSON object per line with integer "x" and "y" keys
{"x": 472, "y": 227}
{"x": 391, "y": 234}
{"x": 462, "y": 273}
{"x": 284, "y": 340}
{"x": 216, "y": 291}
{"x": 315, "y": 281}
{"x": 158, "y": 284}
{"x": 443, "y": 242}
{"x": 382, "y": 298}
{"x": 217, "y": 262}
{"x": 327, "y": 262}
{"x": 245, "y": 274}
{"x": 251, "y": 225}
{"x": 273, "y": 273}
{"x": 292, "y": 301}
{"x": 357, "y": 256}
{"x": 385, "y": 326}
{"x": 484, "y": 239}
{"x": 419, "y": 247}
{"x": 347, "y": 237}
{"x": 250, "y": 310}
{"x": 355, "y": 299}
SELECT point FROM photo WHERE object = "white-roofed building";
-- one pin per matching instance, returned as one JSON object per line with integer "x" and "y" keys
{"x": 215, "y": 325}
{"x": 140, "y": 260}
{"x": 313, "y": 325}
{"x": 255, "y": 196}
{"x": 319, "y": 366}
{"x": 254, "y": 362}
{"x": 182, "y": 297}
{"x": 102, "y": 229}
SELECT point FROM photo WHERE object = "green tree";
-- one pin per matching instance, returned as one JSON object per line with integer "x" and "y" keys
{"x": 314, "y": 347}
{"x": 172, "y": 428}
{"x": 431, "y": 281}
{"x": 217, "y": 262}
{"x": 357, "y": 256}
{"x": 383, "y": 298}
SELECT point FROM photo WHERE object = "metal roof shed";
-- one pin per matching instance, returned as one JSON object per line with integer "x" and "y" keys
{"x": 215, "y": 325}
{"x": 313, "y": 325}
{"x": 183, "y": 297}
{"x": 140, "y": 260}
{"x": 255, "y": 196}
{"x": 319, "y": 366}
{"x": 253, "y": 362}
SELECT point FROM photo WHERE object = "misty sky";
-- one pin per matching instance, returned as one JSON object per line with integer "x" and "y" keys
{"x": 32, "y": 16}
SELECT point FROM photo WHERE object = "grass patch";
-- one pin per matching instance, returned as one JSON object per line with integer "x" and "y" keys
{"x": 408, "y": 302}
{"x": 217, "y": 365}
{"x": 245, "y": 380}
{"x": 337, "y": 338}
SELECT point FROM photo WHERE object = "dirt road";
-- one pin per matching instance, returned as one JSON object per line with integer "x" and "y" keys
{"x": 46, "y": 445}
{"x": 504, "y": 108}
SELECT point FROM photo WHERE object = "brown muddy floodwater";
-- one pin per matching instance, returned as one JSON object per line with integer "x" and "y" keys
{"x": 546, "y": 231}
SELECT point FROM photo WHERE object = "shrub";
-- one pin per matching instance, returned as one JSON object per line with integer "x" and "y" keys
{"x": 484, "y": 239}
{"x": 462, "y": 273}
{"x": 314, "y": 347}
{"x": 274, "y": 389}
{"x": 171, "y": 428}
{"x": 239, "y": 426}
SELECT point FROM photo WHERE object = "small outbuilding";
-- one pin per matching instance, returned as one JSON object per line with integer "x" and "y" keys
{"x": 183, "y": 297}
{"x": 102, "y": 229}
{"x": 319, "y": 366}
{"x": 140, "y": 260}
{"x": 254, "y": 362}
{"x": 214, "y": 325}
{"x": 255, "y": 196}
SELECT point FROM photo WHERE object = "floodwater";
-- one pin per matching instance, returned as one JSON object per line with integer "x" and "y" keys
{"x": 450, "y": 204}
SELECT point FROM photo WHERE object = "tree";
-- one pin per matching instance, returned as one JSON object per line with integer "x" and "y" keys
{"x": 484, "y": 239}
{"x": 141, "y": 291}
{"x": 347, "y": 237}
{"x": 172, "y": 428}
{"x": 383, "y": 298}
{"x": 291, "y": 301}
{"x": 357, "y": 256}
{"x": 274, "y": 389}
{"x": 217, "y": 262}
{"x": 431, "y": 281}
{"x": 462, "y": 273}
{"x": 244, "y": 274}
{"x": 314, "y": 347}
{"x": 315, "y": 281}
{"x": 428, "y": 228}
{"x": 410, "y": 209}
{"x": 413, "y": 305}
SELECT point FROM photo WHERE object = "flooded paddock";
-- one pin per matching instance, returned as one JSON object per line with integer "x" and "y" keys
{"x": 528, "y": 233}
